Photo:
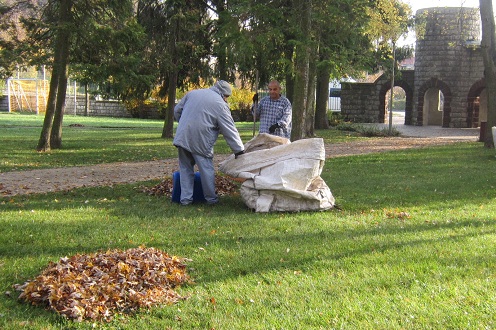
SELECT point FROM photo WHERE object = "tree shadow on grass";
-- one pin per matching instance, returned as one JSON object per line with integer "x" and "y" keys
{"x": 210, "y": 235}
{"x": 225, "y": 242}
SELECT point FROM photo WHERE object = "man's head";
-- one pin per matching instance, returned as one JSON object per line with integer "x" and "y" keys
{"x": 224, "y": 87}
{"x": 274, "y": 90}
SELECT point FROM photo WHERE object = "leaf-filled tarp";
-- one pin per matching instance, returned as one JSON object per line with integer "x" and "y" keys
{"x": 281, "y": 176}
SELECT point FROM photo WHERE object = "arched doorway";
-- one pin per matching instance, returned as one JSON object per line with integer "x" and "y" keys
{"x": 402, "y": 91}
{"x": 477, "y": 104}
{"x": 434, "y": 103}
{"x": 399, "y": 105}
{"x": 433, "y": 107}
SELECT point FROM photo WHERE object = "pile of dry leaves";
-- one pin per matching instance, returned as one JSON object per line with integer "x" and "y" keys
{"x": 223, "y": 185}
{"x": 99, "y": 285}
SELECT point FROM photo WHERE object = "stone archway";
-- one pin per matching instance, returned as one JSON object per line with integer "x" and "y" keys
{"x": 408, "y": 104}
{"x": 366, "y": 102}
{"x": 477, "y": 104}
{"x": 444, "y": 88}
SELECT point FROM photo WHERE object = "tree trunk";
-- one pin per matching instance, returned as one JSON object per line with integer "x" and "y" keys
{"x": 46, "y": 131}
{"x": 222, "y": 61}
{"x": 289, "y": 77}
{"x": 290, "y": 87}
{"x": 168, "y": 131}
{"x": 310, "y": 109}
{"x": 488, "y": 46}
{"x": 321, "y": 120}
{"x": 322, "y": 91}
{"x": 300, "y": 101}
{"x": 288, "y": 50}
{"x": 56, "y": 136}
{"x": 61, "y": 54}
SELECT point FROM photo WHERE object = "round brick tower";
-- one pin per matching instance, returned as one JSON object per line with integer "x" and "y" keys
{"x": 448, "y": 68}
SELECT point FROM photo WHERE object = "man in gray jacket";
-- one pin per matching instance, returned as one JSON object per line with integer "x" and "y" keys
{"x": 203, "y": 114}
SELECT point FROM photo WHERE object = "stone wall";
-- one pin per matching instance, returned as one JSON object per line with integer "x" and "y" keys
{"x": 366, "y": 102}
{"x": 360, "y": 102}
{"x": 97, "y": 108}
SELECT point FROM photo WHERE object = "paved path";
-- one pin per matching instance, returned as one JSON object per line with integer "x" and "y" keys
{"x": 468, "y": 134}
{"x": 63, "y": 179}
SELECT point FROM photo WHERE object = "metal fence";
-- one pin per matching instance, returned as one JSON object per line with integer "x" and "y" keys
{"x": 30, "y": 94}
{"x": 334, "y": 102}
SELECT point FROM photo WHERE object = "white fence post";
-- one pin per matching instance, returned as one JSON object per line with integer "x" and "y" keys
{"x": 8, "y": 94}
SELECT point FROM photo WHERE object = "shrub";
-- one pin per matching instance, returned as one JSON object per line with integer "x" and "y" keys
{"x": 241, "y": 101}
{"x": 371, "y": 131}
{"x": 347, "y": 126}
{"x": 334, "y": 118}
{"x": 145, "y": 109}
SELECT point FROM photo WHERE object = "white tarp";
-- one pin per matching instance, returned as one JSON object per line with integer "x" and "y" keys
{"x": 280, "y": 175}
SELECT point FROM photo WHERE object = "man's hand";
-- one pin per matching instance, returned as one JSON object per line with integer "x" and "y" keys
{"x": 273, "y": 128}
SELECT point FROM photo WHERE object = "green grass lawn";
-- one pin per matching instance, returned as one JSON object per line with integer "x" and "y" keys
{"x": 414, "y": 246}
{"x": 96, "y": 140}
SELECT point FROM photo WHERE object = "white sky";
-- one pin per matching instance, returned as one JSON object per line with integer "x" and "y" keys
{"x": 420, "y": 4}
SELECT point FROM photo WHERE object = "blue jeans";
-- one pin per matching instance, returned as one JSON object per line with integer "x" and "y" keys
{"x": 187, "y": 161}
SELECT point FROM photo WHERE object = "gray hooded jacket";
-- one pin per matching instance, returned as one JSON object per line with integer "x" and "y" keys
{"x": 203, "y": 114}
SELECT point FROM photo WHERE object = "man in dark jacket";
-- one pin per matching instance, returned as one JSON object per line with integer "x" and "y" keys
{"x": 203, "y": 114}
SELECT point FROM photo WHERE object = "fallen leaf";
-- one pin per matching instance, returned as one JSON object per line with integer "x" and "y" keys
{"x": 98, "y": 285}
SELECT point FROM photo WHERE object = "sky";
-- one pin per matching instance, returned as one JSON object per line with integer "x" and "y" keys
{"x": 420, "y": 4}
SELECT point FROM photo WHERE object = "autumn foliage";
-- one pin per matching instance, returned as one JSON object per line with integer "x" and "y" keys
{"x": 99, "y": 285}
{"x": 224, "y": 186}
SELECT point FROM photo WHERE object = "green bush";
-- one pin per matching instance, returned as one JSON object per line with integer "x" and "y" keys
{"x": 348, "y": 126}
{"x": 334, "y": 118}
